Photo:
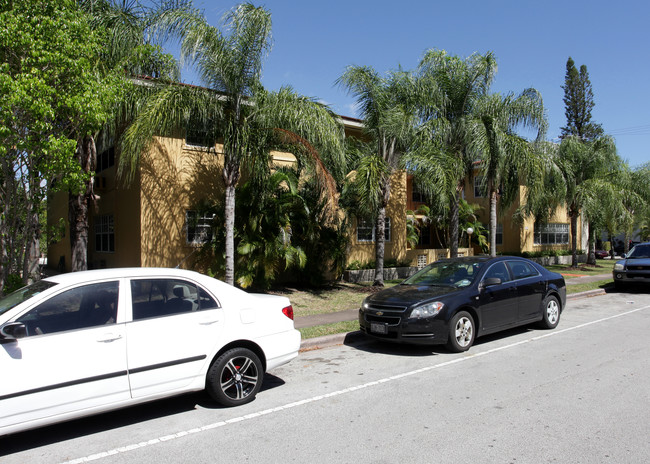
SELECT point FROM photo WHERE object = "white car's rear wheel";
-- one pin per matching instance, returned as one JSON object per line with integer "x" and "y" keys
{"x": 235, "y": 377}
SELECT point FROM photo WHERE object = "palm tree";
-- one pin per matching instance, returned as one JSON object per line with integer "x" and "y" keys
{"x": 506, "y": 157}
{"x": 389, "y": 123}
{"x": 449, "y": 90}
{"x": 581, "y": 163}
{"x": 235, "y": 107}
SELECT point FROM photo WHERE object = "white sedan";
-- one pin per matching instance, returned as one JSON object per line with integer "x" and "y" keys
{"x": 81, "y": 343}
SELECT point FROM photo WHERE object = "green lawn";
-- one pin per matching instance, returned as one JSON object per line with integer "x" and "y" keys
{"x": 603, "y": 266}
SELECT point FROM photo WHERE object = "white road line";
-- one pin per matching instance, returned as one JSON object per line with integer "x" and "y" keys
{"x": 155, "y": 441}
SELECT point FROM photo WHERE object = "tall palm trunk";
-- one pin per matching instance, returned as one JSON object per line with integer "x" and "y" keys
{"x": 573, "y": 214}
{"x": 591, "y": 256}
{"x": 454, "y": 215}
{"x": 230, "y": 179}
{"x": 380, "y": 246}
{"x": 380, "y": 235}
{"x": 493, "y": 221}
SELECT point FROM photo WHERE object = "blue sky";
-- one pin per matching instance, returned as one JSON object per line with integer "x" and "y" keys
{"x": 313, "y": 42}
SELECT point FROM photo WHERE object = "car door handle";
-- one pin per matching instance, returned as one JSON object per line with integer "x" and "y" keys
{"x": 109, "y": 337}
{"x": 209, "y": 322}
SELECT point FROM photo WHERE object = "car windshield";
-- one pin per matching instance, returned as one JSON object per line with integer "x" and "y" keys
{"x": 23, "y": 294}
{"x": 447, "y": 273}
{"x": 640, "y": 251}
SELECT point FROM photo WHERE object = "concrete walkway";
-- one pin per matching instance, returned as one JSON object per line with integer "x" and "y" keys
{"x": 353, "y": 314}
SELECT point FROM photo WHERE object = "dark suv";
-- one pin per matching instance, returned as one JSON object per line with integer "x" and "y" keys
{"x": 634, "y": 267}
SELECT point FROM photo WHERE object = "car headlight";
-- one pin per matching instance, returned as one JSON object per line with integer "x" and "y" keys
{"x": 365, "y": 304}
{"x": 619, "y": 266}
{"x": 427, "y": 310}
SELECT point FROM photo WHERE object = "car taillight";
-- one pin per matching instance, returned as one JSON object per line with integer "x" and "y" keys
{"x": 288, "y": 311}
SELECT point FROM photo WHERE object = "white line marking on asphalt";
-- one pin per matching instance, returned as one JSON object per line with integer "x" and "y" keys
{"x": 155, "y": 441}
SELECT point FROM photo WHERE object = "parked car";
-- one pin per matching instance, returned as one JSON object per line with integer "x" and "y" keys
{"x": 453, "y": 301}
{"x": 601, "y": 254}
{"x": 634, "y": 267}
{"x": 86, "y": 342}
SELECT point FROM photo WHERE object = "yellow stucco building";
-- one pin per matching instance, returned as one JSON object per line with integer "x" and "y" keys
{"x": 152, "y": 222}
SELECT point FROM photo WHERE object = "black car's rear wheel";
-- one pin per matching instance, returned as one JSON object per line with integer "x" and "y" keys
{"x": 550, "y": 313}
{"x": 235, "y": 377}
{"x": 461, "y": 332}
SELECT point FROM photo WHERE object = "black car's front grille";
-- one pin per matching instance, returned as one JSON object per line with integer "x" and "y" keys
{"x": 384, "y": 319}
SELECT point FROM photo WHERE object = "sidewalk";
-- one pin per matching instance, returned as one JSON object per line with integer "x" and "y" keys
{"x": 352, "y": 314}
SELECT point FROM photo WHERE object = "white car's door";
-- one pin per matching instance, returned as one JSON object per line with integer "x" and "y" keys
{"x": 174, "y": 330}
{"x": 72, "y": 359}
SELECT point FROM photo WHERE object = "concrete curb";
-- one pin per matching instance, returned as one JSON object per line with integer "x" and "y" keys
{"x": 357, "y": 337}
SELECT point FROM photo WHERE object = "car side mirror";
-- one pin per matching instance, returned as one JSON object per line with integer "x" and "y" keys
{"x": 491, "y": 281}
{"x": 12, "y": 331}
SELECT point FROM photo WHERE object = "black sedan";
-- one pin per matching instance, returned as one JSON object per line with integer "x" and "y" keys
{"x": 453, "y": 301}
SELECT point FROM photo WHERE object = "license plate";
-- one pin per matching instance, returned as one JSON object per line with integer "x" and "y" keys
{"x": 376, "y": 327}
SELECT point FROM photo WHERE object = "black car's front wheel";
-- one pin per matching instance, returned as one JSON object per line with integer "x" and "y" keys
{"x": 235, "y": 377}
{"x": 461, "y": 332}
{"x": 550, "y": 313}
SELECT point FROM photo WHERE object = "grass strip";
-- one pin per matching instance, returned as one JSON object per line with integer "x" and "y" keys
{"x": 329, "y": 329}
{"x": 603, "y": 284}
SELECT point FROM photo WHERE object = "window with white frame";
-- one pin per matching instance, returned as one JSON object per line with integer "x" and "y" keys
{"x": 478, "y": 191}
{"x": 198, "y": 227}
{"x": 104, "y": 234}
{"x": 499, "y": 235}
{"x": 551, "y": 234}
{"x": 366, "y": 230}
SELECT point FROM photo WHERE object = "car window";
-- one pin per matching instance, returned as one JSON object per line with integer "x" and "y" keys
{"x": 23, "y": 294}
{"x": 640, "y": 251}
{"x": 164, "y": 297}
{"x": 447, "y": 273}
{"x": 81, "y": 307}
{"x": 498, "y": 270}
{"x": 522, "y": 269}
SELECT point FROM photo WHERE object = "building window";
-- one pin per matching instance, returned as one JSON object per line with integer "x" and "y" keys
{"x": 499, "y": 237}
{"x": 198, "y": 227}
{"x": 366, "y": 230}
{"x": 478, "y": 190}
{"x": 106, "y": 159}
{"x": 416, "y": 194}
{"x": 104, "y": 234}
{"x": 200, "y": 134}
{"x": 551, "y": 234}
{"x": 425, "y": 236}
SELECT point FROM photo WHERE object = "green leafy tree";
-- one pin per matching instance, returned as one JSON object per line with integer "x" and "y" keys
{"x": 388, "y": 115}
{"x": 127, "y": 51}
{"x": 48, "y": 93}
{"x": 578, "y": 103}
{"x": 235, "y": 109}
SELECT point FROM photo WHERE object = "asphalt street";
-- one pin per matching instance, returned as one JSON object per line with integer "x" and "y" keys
{"x": 578, "y": 394}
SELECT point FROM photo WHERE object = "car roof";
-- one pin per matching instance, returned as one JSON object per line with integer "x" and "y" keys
{"x": 122, "y": 272}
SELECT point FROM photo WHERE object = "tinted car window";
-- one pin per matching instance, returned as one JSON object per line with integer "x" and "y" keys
{"x": 498, "y": 270}
{"x": 456, "y": 273}
{"x": 640, "y": 251}
{"x": 23, "y": 294}
{"x": 164, "y": 297}
{"x": 87, "y": 306}
{"x": 522, "y": 269}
